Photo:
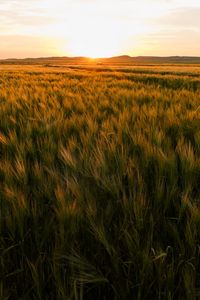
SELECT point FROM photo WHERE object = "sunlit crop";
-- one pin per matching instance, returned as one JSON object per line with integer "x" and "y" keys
{"x": 100, "y": 183}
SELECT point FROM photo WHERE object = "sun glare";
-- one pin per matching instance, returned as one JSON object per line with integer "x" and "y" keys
{"x": 104, "y": 31}
{"x": 92, "y": 37}
{"x": 94, "y": 46}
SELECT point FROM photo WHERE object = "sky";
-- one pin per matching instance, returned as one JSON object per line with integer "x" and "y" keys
{"x": 99, "y": 28}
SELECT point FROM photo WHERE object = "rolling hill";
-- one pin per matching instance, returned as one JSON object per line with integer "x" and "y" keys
{"x": 123, "y": 59}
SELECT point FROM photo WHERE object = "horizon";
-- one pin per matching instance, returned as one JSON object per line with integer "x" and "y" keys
{"x": 99, "y": 29}
{"x": 97, "y": 58}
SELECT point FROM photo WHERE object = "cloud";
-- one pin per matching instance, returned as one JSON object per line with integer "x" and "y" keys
{"x": 185, "y": 17}
{"x": 17, "y": 16}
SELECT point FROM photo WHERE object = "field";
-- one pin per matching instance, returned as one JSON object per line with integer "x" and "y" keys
{"x": 99, "y": 182}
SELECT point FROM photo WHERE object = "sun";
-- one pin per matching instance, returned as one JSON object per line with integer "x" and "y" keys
{"x": 95, "y": 38}
{"x": 94, "y": 46}
{"x": 102, "y": 30}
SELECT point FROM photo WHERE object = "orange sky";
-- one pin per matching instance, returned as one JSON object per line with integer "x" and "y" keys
{"x": 99, "y": 28}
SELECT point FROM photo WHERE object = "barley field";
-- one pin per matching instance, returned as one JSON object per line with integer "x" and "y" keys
{"x": 100, "y": 182}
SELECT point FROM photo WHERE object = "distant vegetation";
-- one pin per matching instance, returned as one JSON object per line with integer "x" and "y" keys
{"x": 100, "y": 183}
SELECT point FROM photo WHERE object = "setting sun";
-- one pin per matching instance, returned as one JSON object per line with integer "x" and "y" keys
{"x": 102, "y": 30}
{"x": 95, "y": 39}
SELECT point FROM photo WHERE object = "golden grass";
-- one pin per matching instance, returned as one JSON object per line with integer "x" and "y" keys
{"x": 99, "y": 177}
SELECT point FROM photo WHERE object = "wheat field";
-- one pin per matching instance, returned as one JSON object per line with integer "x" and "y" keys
{"x": 100, "y": 182}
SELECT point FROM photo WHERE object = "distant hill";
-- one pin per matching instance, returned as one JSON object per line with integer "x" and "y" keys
{"x": 123, "y": 59}
{"x": 46, "y": 60}
{"x": 154, "y": 59}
